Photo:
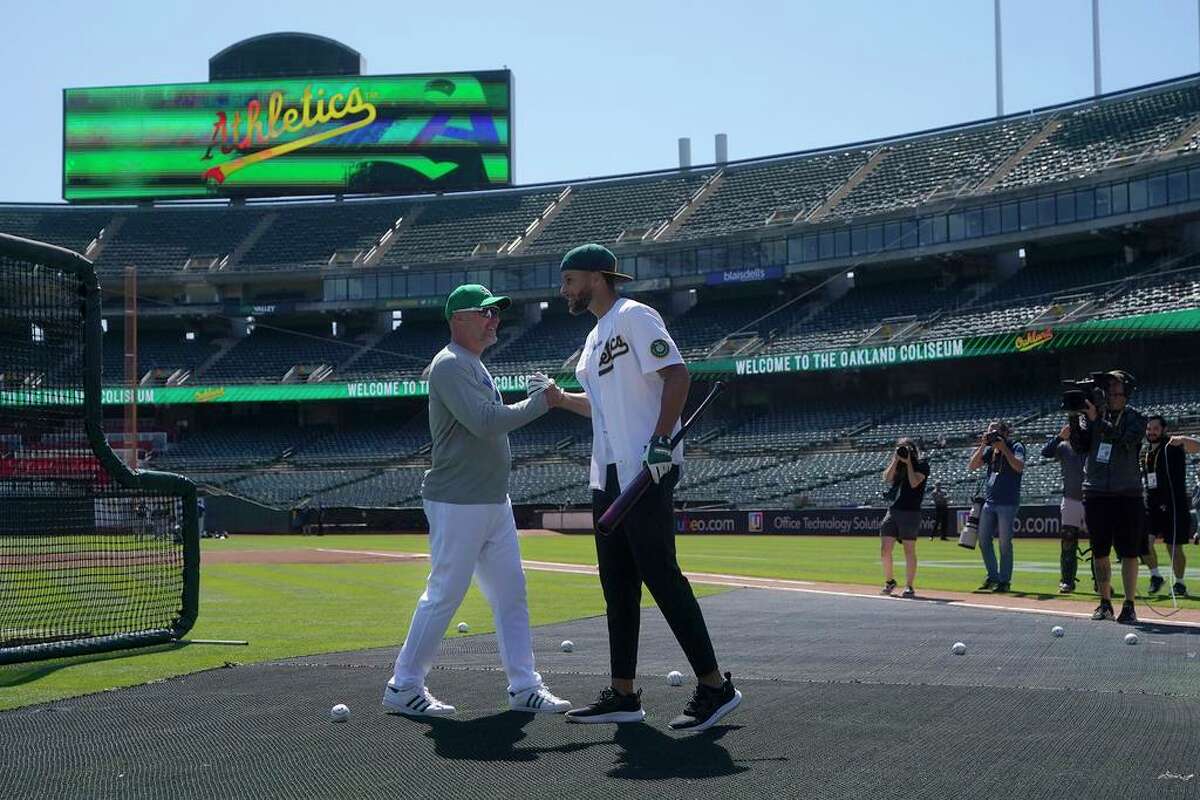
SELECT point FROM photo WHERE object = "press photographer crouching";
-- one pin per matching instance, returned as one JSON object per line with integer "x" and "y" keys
{"x": 906, "y": 475}
{"x": 1005, "y": 462}
{"x": 1110, "y": 435}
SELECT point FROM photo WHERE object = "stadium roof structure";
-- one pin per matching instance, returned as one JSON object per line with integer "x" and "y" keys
{"x": 1122, "y": 133}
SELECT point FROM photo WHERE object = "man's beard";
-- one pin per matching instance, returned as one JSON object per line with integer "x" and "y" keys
{"x": 1154, "y": 439}
{"x": 580, "y": 304}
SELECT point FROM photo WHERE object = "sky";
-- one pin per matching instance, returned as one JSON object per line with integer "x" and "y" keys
{"x": 606, "y": 88}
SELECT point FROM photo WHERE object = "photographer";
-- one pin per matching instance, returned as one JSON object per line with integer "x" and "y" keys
{"x": 1071, "y": 509}
{"x": 1005, "y": 462}
{"x": 1110, "y": 434}
{"x": 906, "y": 475}
{"x": 1164, "y": 474}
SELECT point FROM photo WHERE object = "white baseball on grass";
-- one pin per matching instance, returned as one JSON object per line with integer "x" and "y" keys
{"x": 675, "y": 678}
{"x": 959, "y": 649}
{"x": 1057, "y": 630}
{"x": 567, "y": 646}
{"x": 463, "y": 627}
{"x": 339, "y": 713}
{"x": 1131, "y": 638}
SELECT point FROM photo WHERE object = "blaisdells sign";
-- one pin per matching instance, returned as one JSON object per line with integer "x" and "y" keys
{"x": 748, "y": 275}
{"x": 346, "y": 134}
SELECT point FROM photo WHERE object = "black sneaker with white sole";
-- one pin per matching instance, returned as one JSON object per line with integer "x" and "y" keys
{"x": 1127, "y": 616}
{"x": 610, "y": 706}
{"x": 707, "y": 706}
{"x": 1156, "y": 583}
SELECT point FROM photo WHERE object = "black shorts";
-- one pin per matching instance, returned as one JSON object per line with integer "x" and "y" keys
{"x": 900, "y": 524}
{"x": 1170, "y": 522}
{"x": 1115, "y": 522}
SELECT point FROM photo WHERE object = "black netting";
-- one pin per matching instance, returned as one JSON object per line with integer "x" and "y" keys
{"x": 90, "y": 558}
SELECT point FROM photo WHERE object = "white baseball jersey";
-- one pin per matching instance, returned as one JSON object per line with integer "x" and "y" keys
{"x": 618, "y": 371}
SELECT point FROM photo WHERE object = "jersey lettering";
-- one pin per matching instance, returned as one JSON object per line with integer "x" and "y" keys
{"x": 614, "y": 348}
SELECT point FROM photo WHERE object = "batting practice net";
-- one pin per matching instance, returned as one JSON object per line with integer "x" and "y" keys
{"x": 93, "y": 556}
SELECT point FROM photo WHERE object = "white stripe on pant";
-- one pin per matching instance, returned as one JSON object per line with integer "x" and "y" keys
{"x": 466, "y": 540}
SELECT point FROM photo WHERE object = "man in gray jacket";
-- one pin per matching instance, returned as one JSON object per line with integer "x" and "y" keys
{"x": 1111, "y": 437}
{"x": 471, "y": 525}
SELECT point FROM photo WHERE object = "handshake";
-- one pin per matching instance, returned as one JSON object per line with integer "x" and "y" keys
{"x": 539, "y": 382}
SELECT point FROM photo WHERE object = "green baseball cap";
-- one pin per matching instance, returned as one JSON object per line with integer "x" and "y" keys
{"x": 593, "y": 258}
{"x": 471, "y": 296}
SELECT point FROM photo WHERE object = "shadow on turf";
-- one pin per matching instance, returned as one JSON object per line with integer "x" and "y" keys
{"x": 645, "y": 753}
{"x": 18, "y": 674}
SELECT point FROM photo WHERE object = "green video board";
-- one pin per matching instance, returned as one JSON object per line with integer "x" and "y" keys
{"x": 394, "y": 134}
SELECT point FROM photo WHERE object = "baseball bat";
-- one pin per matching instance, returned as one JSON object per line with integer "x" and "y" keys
{"x": 616, "y": 512}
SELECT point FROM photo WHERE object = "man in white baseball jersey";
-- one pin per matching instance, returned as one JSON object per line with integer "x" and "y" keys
{"x": 471, "y": 526}
{"x": 634, "y": 387}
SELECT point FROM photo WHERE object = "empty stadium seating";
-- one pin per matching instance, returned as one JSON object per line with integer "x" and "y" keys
{"x": 157, "y": 350}
{"x": 939, "y": 165}
{"x": 309, "y": 235}
{"x": 747, "y": 195}
{"x": 405, "y": 352}
{"x": 162, "y": 240}
{"x": 266, "y": 355}
{"x": 601, "y": 212}
{"x": 450, "y": 229}
{"x": 1094, "y": 135}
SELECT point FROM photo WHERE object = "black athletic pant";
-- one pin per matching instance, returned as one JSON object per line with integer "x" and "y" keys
{"x": 941, "y": 521}
{"x": 642, "y": 549}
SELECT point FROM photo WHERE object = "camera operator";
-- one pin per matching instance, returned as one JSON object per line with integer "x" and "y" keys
{"x": 1005, "y": 462}
{"x": 1110, "y": 435}
{"x": 906, "y": 474}
{"x": 1071, "y": 509}
{"x": 1164, "y": 473}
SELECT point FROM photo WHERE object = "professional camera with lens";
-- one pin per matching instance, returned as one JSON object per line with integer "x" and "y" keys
{"x": 903, "y": 452}
{"x": 991, "y": 437}
{"x": 1075, "y": 399}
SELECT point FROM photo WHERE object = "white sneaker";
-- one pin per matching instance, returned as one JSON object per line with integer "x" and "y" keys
{"x": 538, "y": 700}
{"x": 416, "y": 703}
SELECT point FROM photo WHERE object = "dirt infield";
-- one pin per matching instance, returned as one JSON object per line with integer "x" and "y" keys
{"x": 1009, "y": 602}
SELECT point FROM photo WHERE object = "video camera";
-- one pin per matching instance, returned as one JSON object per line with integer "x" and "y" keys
{"x": 1093, "y": 388}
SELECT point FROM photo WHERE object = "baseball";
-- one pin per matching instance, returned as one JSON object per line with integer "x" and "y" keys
{"x": 567, "y": 646}
{"x": 463, "y": 627}
{"x": 675, "y": 678}
{"x": 1057, "y": 630}
{"x": 339, "y": 713}
{"x": 959, "y": 649}
{"x": 1131, "y": 638}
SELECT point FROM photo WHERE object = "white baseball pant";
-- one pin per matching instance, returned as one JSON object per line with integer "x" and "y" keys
{"x": 466, "y": 540}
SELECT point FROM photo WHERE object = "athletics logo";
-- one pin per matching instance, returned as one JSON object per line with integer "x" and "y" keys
{"x": 659, "y": 348}
{"x": 280, "y": 121}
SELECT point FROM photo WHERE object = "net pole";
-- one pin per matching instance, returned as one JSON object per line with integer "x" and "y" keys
{"x": 131, "y": 367}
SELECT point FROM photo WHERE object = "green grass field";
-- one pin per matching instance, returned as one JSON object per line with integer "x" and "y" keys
{"x": 943, "y": 565}
{"x": 298, "y": 609}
